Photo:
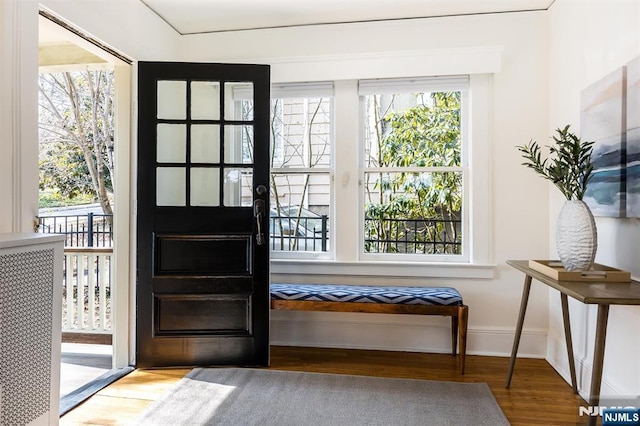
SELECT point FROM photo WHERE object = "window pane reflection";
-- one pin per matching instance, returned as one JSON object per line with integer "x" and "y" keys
{"x": 205, "y": 100}
{"x": 238, "y": 144}
{"x": 171, "y": 143}
{"x": 170, "y": 186}
{"x": 205, "y": 143}
{"x": 205, "y": 187}
{"x": 238, "y": 187}
{"x": 238, "y": 103}
{"x": 172, "y": 100}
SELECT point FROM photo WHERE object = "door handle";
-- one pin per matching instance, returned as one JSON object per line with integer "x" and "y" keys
{"x": 258, "y": 212}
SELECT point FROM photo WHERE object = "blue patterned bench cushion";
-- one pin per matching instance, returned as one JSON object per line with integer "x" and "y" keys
{"x": 437, "y": 296}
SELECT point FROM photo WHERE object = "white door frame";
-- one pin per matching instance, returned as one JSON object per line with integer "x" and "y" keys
{"x": 123, "y": 285}
{"x": 124, "y": 180}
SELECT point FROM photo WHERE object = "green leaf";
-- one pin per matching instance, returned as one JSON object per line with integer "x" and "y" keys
{"x": 569, "y": 164}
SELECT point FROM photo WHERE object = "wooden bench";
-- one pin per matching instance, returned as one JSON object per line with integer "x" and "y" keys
{"x": 444, "y": 301}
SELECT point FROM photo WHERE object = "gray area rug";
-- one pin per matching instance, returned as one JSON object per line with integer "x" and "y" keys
{"x": 243, "y": 396}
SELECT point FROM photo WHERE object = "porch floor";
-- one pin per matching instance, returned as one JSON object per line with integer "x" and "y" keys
{"x": 81, "y": 363}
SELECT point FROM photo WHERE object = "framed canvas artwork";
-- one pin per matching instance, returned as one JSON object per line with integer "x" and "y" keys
{"x": 603, "y": 118}
{"x": 633, "y": 138}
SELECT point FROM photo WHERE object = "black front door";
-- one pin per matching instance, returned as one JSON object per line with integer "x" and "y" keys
{"x": 202, "y": 214}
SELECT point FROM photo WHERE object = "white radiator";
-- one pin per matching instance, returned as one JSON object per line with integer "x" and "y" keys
{"x": 30, "y": 322}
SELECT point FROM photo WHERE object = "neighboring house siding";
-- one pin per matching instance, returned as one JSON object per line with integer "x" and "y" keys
{"x": 303, "y": 142}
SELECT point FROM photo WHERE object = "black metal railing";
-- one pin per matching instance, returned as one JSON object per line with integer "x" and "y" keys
{"x": 292, "y": 233}
{"x": 415, "y": 236}
{"x": 96, "y": 230}
{"x": 89, "y": 230}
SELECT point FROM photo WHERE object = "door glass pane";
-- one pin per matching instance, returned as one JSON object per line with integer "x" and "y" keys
{"x": 205, "y": 143}
{"x": 172, "y": 143}
{"x": 170, "y": 186}
{"x": 238, "y": 144}
{"x": 205, "y": 100}
{"x": 205, "y": 186}
{"x": 238, "y": 101}
{"x": 172, "y": 100}
{"x": 238, "y": 187}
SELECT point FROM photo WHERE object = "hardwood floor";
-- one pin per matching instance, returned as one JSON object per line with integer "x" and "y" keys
{"x": 538, "y": 395}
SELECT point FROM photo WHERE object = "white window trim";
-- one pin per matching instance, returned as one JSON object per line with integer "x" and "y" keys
{"x": 282, "y": 269}
{"x": 345, "y": 189}
{"x": 317, "y": 89}
{"x": 387, "y": 64}
{"x": 322, "y": 89}
{"x": 413, "y": 85}
{"x": 480, "y": 198}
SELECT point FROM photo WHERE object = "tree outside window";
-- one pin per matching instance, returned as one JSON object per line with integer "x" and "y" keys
{"x": 413, "y": 173}
{"x": 77, "y": 136}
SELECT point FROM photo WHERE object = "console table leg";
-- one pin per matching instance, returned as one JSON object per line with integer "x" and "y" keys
{"x": 569, "y": 341}
{"x": 516, "y": 338}
{"x": 598, "y": 359}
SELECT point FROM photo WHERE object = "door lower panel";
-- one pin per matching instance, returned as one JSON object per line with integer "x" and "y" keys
{"x": 202, "y": 314}
{"x": 217, "y": 255}
{"x": 202, "y": 351}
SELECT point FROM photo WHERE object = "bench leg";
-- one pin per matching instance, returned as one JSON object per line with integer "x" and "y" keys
{"x": 463, "y": 318}
{"x": 454, "y": 334}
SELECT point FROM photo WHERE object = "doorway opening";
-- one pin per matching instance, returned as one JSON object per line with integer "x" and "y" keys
{"x": 84, "y": 138}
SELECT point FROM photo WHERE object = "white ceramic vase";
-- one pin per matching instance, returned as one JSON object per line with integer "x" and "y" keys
{"x": 576, "y": 236}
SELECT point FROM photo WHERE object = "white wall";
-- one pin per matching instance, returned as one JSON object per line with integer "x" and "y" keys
{"x": 582, "y": 39}
{"x": 518, "y": 201}
{"x": 589, "y": 39}
{"x": 18, "y": 115}
{"x": 129, "y": 27}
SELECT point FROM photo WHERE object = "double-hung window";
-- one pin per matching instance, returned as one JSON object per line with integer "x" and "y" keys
{"x": 420, "y": 203}
{"x": 414, "y": 169}
{"x": 301, "y": 149}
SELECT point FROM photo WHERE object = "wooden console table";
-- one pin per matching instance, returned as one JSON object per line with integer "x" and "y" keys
{"x": 602, "y": 294}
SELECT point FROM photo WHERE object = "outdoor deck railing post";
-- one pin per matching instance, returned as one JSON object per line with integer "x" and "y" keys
{"x": 88, "y": 272}
{"x": 90, "y": 229}
{"x": 324, "y": 232}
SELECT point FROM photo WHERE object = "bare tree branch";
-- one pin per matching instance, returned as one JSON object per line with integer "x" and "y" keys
{"x": 77, "y": 108}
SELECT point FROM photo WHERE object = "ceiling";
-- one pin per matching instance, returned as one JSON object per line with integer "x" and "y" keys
{"x": 58, "y": 49}
{"x": 211, "y": 16}
{"x": 63, "y": 50}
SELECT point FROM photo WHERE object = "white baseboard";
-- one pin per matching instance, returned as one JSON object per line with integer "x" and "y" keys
{"x": 396, "y": 333}
{"x": 557, "y": 357}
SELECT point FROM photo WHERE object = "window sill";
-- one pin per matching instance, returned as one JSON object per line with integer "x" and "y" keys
{"x": 382, "y": 269}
